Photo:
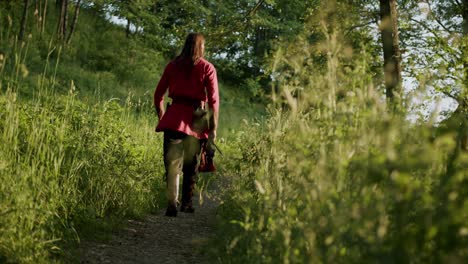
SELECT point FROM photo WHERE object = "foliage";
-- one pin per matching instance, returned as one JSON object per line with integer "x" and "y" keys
{"x": 441, "y": 49}
{"x": 331, "y": 176}
{"x": 336, "y": 178}
{"x": 64, "y": 163}
{"x": 100, "y": 59}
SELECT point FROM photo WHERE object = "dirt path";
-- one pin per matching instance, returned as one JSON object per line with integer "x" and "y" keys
{"x": 159, "y": 239}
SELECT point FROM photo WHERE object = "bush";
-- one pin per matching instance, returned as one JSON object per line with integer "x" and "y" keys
{"x": 338, "y": 179}
{"x": 64, "y": 163}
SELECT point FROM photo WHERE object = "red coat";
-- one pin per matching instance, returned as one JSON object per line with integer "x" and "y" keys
{"x": 199, "y": 84}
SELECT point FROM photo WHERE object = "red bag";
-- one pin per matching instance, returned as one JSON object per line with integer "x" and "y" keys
{"x": 207, "y": 158}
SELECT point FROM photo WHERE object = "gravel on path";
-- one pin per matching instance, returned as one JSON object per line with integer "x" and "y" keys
{"x": 158, "y": 239}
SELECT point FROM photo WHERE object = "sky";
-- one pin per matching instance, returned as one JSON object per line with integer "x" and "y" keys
{"x": 427, "y": 101}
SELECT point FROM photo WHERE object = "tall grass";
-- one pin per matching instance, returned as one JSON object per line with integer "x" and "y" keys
{"x": 336, "y": 178}
{"x": 65, "y": 164}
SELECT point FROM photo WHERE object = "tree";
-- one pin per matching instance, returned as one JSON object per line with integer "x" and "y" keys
{"x": 463, "y": 102}
{"x": 464, "y": 12}
{"x": 24, "y": 19}
{"x": 391, "y": 50}
{"x": 446, "y": 50}
{"x": 75, "y": 20}
{"x": 62, "y": 23}
{"x": 44, "y": 15}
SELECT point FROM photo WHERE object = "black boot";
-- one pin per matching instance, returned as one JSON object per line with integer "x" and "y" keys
{"x": 187, "y": 209}
{"x": 187, "y": 194}
{"x": 171, "y": 211}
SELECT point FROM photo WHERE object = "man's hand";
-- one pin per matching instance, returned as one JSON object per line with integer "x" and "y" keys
{"x": 212, "y": 136}
{"x": 210, "y": 146}
{"x": 159, "y": 112}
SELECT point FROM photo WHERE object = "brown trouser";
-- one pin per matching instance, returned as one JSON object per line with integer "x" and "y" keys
{"x": 181, "y": 155}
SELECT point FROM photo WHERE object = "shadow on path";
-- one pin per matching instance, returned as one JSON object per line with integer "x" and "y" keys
{"x": 158, "y": 239}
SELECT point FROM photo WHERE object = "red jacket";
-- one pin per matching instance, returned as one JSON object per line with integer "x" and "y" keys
{"x": 198, "y": 84}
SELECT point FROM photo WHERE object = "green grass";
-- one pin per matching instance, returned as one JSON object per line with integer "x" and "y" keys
{"x": 333, "y": 177}
{"x": 65, "y": 165}
{"x": 323, "y": 174}
{"x": 237, "y": 110}
{"x": 78, "y": 152}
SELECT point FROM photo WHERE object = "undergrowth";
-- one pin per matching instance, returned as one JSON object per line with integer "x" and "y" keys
{"x": 67, "y": 164}
{"x": 334, "y": 177}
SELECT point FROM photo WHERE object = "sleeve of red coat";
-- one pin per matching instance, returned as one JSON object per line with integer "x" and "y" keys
{"x": 212, "y": 89}
{"x": 213, "y": 95}
{"x": 161, "y": 89}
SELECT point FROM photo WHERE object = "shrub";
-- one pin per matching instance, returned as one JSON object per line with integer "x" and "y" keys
{"x": 338, "y": 179}
{"x": 64, "y": 163}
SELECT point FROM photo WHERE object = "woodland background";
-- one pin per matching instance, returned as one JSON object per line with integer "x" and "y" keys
{"x": 323, "y": 161}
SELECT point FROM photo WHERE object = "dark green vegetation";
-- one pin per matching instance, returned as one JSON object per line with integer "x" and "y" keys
{"x": 333, "y": 173}
{"x": 75, "y": 155}
{"x": 337, "y": 176}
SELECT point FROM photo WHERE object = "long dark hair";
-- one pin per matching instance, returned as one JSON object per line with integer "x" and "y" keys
{"x": 193, "y": 49}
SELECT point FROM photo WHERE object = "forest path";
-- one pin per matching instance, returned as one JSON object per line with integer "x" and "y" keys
{"x": 160, "y": 239}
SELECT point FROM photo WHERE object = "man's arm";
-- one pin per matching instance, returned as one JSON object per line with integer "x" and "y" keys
{"x": 213, "y": 99}
{"x": 161, "y": 89}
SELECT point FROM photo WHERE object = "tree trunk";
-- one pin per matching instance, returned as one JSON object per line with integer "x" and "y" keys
{"x": 62, "y": 24}
{"x": 37, "y": 13}
{"x": 24, "y": 19}
{"x": 465, "y": 46}
{"x": 128, "y": 28}
{"x": 75, "y": 20}
{"x": 389, "y": 34}
{"x": 65, "y": 18}
{"x": 396, "y": 43}
{"x": 463, "y": 102}
{"x": 61, "y": 20}
{"x": 44, "y": 17}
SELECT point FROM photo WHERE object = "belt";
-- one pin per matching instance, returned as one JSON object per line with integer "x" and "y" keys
{"x": 188, "y": 101}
